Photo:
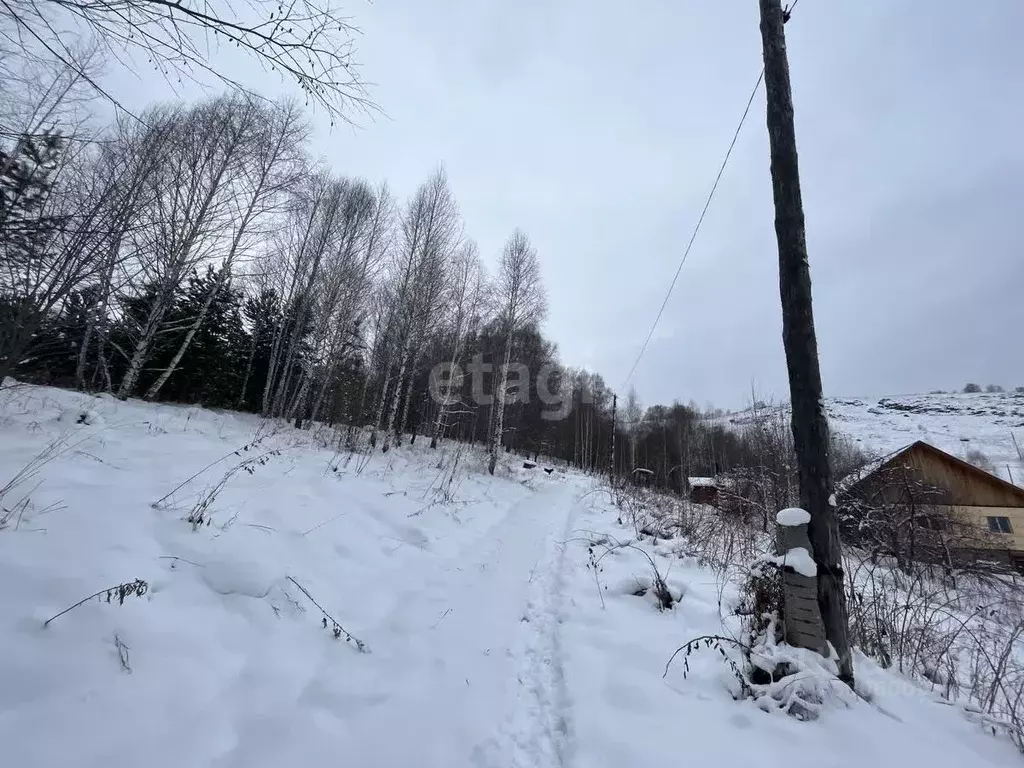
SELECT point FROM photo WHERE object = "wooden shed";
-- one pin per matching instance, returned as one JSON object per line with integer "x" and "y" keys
{"x": 702, "y": 490}
{"x": 992, "y": 508}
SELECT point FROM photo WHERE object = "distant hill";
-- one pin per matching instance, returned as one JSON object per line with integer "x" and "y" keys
{"x": 958, "y": 423}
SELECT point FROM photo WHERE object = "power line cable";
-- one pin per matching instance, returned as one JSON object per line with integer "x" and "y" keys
{"x": 696, "y": 229}
{"x": 703, "y": 213}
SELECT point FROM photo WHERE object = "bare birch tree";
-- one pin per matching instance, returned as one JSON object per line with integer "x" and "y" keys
{"x": 467, "y": 294}
{"x": 428, "y": 236}
{"x": 521, "y": 300}
{"x": 361, "y": 238}
{"x": 127, "y": 161}
{"x": 186, "y": 224}
{"x": 297, "y": 259}
{"x": 270, "y": 164}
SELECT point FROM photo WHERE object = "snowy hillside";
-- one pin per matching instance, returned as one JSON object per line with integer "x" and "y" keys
{"x": 955, "y": 422}
{"x": 398, "y": 610}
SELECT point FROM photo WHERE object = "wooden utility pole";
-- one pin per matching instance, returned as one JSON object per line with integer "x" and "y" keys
{"x": 810, "y": 425}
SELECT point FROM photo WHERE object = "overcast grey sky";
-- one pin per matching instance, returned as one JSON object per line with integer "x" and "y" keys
{"x": 598, "y": 128}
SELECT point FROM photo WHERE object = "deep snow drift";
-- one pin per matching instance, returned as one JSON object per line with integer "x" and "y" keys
{"x": 488, "y": 640}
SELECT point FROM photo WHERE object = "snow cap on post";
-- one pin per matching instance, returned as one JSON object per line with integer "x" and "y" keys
{"x": 800, "y": 560}
{"x": 793, "y": 516}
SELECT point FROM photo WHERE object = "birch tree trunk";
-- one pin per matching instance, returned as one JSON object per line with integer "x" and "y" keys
{"x": 248, "y": 367}
{"x": 83, "y": 353}
{"x": 189, "y": 335}
{"x": 142, "y": 347}
{"x": 442, "y": 408}
{"x": 280, "y": 396}
{"x": 99, "y": 312}
{"x": 400, "y": 429}
{"x": 294, "y": 410}
{"x": 380, "y": 407}
{"x": 276, "y": 372}
{"x": 396, "y": 398}
{"x": 499, "y": 416}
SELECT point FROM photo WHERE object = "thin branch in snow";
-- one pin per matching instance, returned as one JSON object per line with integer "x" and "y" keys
{"x": 120, "y": 591}
{"x": 334, "y": 626}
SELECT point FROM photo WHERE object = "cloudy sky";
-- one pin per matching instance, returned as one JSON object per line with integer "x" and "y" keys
{"x": 598, "y": 127}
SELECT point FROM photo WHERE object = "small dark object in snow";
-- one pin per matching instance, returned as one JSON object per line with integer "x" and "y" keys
{"x": 549, "y": 470}
{"x": 529, "y": 465}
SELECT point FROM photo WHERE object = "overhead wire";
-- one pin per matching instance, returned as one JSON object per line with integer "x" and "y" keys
{"x": 696, "y": 230}
{"x": 707, "y": 204}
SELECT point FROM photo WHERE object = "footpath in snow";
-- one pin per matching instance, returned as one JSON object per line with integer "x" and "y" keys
{"x": 490, "y": 642}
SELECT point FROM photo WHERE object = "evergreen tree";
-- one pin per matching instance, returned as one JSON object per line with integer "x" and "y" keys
{"x": 26, "y": 182}
{"x": 211, "y": 371}
{"x": 262, "y": 313}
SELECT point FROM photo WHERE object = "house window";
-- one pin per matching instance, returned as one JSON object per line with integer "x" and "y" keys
{"x": 999, "y": 525}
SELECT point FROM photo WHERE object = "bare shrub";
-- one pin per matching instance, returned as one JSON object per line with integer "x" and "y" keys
{"x": 16, "y": 496}
{"x": 444, "y": 488}
{"x": 264, "y": 432}
{"x": 634, "y": 510}
{"x": 764, "y": 477}
{"x": 962, "y": 638}
{"x": 777, "y": 677}
{"x": 717, "y": 539}
{"x": 201, "y": 511}
{"x": 760, "y": 603}
{"x": 600, "y": 547}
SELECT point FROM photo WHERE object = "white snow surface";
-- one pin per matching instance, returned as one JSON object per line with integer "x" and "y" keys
{"x": 488, "y": 643}
{"x": 793, "y": 516}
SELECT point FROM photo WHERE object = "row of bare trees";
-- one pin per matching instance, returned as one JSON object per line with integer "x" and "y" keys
{"x": 326, "y": 299}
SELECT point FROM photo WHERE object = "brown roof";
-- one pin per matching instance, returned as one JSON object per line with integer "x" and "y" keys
{"x": 888, "y": 460}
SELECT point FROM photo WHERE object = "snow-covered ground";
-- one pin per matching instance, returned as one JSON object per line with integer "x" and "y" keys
{"x": 958, "y": 423}
{"x": 489, "y": 641}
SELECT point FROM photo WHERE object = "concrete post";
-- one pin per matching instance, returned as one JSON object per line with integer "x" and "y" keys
{"x": 802, "y": 623}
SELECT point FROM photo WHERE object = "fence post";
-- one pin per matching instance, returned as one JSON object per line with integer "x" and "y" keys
{"x": 801, "y": 617}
